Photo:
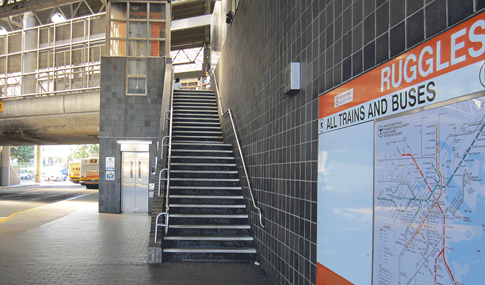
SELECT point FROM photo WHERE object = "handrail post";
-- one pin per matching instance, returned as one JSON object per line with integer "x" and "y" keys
{"x": 160, "y": 179}
{"x": 163, "y": 139}
{"x": 162, "y": 225}
{"x": 165, "y": 118}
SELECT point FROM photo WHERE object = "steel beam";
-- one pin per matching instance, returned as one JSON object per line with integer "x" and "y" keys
{"x": 21, "y": 7}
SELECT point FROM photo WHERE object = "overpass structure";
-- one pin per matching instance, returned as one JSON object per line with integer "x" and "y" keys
{"x": 50, "y": 73}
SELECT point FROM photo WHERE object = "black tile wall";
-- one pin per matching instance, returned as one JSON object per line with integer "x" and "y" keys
{"x": 435, "y": 17}
{"x": 334, "y": 41}
{"x": 415, "y": 29}
{"x": 459, "y": 9}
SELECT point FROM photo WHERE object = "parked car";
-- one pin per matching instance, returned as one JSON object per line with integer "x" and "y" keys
{"x": 25, "y": 176}
{"x": 55, "y": 176}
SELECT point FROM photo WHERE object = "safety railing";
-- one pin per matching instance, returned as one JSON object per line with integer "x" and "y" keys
{"x": 225, "y": 114}
{"x": 157, "y": 224}
{"x": 169, "y": 159}
{"x": 54, "y": 58}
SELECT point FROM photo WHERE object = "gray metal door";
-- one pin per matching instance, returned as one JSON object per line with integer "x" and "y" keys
{"x": 134, "y": 182}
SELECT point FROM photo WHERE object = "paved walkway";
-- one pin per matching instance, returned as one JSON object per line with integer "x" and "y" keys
{"x": 87, "y": 247}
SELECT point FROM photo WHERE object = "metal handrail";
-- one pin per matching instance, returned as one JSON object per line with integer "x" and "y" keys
{"x": 165, "y": 119}
{"x": 163, "y": 145}
{"x": 160, "y": 179}
{"x": 161, "y": 225}
{"x": 169, "y": 160}
{"x": 229, "y": 112}
{"x": 167, "y": 208}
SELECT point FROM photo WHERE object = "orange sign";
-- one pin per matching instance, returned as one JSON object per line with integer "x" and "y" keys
{"x": 457, "y": 48}
{"x": 1, "y": 106}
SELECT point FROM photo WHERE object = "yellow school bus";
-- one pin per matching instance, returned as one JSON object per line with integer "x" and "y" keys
{"x": 75, "y": 172}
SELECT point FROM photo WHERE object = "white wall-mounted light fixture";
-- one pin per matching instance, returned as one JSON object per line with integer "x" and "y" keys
{"x": 292, "y": 78}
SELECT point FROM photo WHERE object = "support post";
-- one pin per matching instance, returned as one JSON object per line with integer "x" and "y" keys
{"x": 5, "y": 166}
{"x": 38, "y": 163}
{"x": 29, "y": 60}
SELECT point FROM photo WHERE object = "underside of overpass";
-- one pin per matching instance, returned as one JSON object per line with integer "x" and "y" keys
{"x": 62, "y": 119}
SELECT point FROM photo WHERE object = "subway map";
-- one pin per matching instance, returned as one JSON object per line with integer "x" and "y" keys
{"x": 429, "y": 196}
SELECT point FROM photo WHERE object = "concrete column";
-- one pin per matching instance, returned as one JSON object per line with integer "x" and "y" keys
{"x": 5, "y": 166}
{"x": 38, "y": 163}
{"x": 29, "y": 60}
{"x": 207, "y": 57}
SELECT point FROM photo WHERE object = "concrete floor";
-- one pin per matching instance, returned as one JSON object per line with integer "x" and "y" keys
{"x": 69, "y": 242}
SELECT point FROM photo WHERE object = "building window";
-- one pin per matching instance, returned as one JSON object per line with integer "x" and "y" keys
{"x": 138, "y": 29}
{"x": 136, "y": 76}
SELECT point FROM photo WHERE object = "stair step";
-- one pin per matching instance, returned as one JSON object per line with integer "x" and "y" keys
{"x": 194, "y": 105}
{"x": 196, "y": 116}
{"x": 197, "y": 133}
{"x": 191, "y": 128}
{"x": 212, "y": 250}
{"x": 205, "y": 188}
{"x": 201, "y": 144}
{"x": 194, "y": 94}
{"x": 204, "y": 197}
{"x": 210, "y": 256}
{"x": 205, "y": 109}
{"x": 205, "y": 157}
{"x": 180, "y": 111}
{"x": 195, "y": 100}
{"x": 204, "y": 164}
{"x": 196, "y": 137}
{"x": 206, "y": 206}
{"x": 175, "y": 124}
{"x": 247, "y": 238}
{"x": 203, "y": 172}
{"x": 208, "y": 99}
{"x": 202, "y": 150}
{"x": 228, "y": 227}
{"x": 190, "y": 190}
{"x": 204, "y": 179}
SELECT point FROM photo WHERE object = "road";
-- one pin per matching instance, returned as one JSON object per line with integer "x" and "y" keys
{"x": 27, "y": 206}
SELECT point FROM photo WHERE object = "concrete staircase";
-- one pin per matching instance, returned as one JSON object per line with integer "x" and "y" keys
{"x": 208, "y": 220}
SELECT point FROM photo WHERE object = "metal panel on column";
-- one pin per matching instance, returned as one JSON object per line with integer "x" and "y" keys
{"x": 128, "y": 180}
{"x": 141, "y": 182}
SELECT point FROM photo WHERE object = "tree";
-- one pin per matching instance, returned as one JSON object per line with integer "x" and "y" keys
{"x": 83, "y": 151}
{"x": 22, "y": 153}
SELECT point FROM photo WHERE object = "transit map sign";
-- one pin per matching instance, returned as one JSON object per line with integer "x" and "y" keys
{"x": 401, "y": 184}
{"x": 430, "y": 196}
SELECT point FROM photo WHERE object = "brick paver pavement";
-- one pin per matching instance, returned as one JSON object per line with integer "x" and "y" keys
{"x": 87, "y": 247}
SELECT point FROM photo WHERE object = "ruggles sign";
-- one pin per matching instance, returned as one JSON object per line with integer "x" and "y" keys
{"x": 409, "y": 81}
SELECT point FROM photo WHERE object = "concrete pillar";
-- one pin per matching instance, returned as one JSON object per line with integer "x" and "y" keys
{"x": 29, "y": 60}
{"x": 5, "y": 166}
{"x": 207, "y": 57}
{"x": 38, "y": 163}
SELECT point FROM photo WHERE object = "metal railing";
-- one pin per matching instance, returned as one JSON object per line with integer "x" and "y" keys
{"x": 161, "y": 225}
{"x": 53, "y": 58}
{"x": 167, "y": 179}
{"x": 169, "y": 160}
{"x": 224, "y": 114}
